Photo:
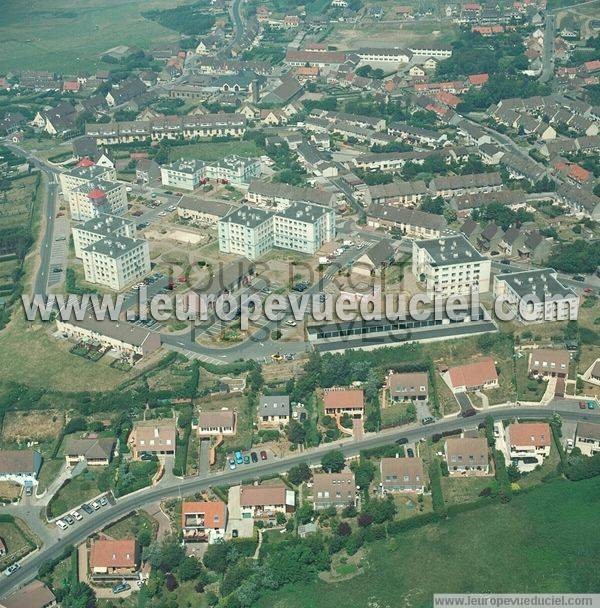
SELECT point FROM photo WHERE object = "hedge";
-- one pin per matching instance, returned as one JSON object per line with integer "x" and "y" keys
{"x": 437, "y": 495}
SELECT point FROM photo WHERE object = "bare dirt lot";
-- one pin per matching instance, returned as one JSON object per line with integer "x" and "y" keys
{"x": 36, "y": 426}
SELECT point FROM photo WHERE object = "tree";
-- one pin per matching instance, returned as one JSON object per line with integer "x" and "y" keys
{"x": 215, "y": 558}
{"x": 333, "y": 461}
{"x": 365, "y": 519}
{"x": 305, "y": 513}
{"x": 296, "y": 432}
{"x": 189, "y": 568}
{"x": 344, "y": 529}
{"x": 364, "y": 471}
{"x": 299, "y": 473}
{"x": 166, "y": 554}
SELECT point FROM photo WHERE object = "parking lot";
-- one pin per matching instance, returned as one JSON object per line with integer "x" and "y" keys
{"x": 82, "y": 511}
{"x": 59, "y": 251}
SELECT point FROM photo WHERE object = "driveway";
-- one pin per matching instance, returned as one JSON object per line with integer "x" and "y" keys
{"x": 245, "y": 527}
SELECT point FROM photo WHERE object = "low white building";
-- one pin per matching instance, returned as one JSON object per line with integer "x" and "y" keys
{"x": 20, "y": 466}
{"x": 450, "y": 266}
{"x": 182, "y": 174}
{"x": 98, "y": 228}
{"x": 213, "y": 423}
{"x": 536, "y": 296}
{"x": 528, "y": 443}
{"x": 264, "y": 502}
{"x": 116, "y": 262}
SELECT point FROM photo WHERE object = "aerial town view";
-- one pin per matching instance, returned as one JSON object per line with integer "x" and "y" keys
{"x": 299, "y": 303}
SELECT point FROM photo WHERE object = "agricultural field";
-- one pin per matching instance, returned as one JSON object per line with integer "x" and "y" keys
{"x": 37, "y": 36}
{"x": 549, "y": 529}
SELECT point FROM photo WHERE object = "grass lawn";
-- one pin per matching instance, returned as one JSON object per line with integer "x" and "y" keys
{"x": 210, "y": 151}
{"x": 17, "y": 543}
{"x": 39, "y": 36}
{"x": 528, "y": 389}
{"x": 9, "y": 490}
{"x": 48, "y": 472}
{"x": 74, "y": 492}
{"x": 131, "y": 526}
{"x": 31, "y": 356}
{"x": 548, "y": 529}
{"x": 464, "y": 489}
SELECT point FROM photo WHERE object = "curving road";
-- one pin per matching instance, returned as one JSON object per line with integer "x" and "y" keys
{"x": 567, "y": 408}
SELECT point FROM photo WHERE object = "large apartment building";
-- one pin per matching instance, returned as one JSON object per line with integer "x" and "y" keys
{"x": 116, "y": 262}
{"x": 271, "y": 194}
{"x": 98, "y": 228}
{"x": 97, "y": 197}
{"x": 450, "y": 265}
{"x": 187, "y": 174}
{"x": 86, "y": 171}
{"x": 300, "y": 227}
{"x": 536, "y": 295}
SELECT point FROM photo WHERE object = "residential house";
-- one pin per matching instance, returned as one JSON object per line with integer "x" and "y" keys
{"x": 340, "y": 401}
{"x": 402, "y": 475}
{"x": 333, "y": 490}
{"x": 412, "y": 386}
{"x": 587, "y": 438}
{"x": 528, "y": 443}
{"x": 412, "y": 223}
{"x": 477, "y": 376}
{"x": 32, "y": 595}
{"x": 273, "y": 410}
{"x": 204, "y": 521}
{"x": 20, "y": 466}
{"x": 218, "y": 422}
{"x": 114, "y": 559}
{"x": 456, "y": 185}
{"x": 407, "y": 194}
{"x": 467, "y": 456}
{"x": 264, "y": 501}
{"x": 153, "y": 437}
{"x": 375, "y": 259}
{"x": 549, "y": 363}
{"x": 203, "y": 212}
{"x": 92, "y": 451}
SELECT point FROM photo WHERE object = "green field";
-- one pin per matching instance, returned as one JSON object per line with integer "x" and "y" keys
{"x": 69, "y": 38}
{"x": 543, "y": 541}
{"x": 210, "y": 151}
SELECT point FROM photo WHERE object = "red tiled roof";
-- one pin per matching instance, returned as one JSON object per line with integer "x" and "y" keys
{"x": 592, "y": 66}
{"x": 96, "y": 193}
{"x": 478, "y": 79}
{"x": 71, "y": 85}
{"x": 529, "y": 433}
{"x": 473, "y": 374}
{"x": 448, "y": 98}
{"x": 108, "y": 553}
{"x": 344, "y": 398}
{"x": 85, "y": 162}
{"x": 213, "y": 512}
{"x": 260, "y": 496}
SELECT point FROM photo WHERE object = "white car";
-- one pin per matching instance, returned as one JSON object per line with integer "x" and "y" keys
{"x": 62, "y": 524}
{"x": 291, "y": 323}
{"x": 95, "y": 506}
{"x": 162, "y": 213}
{"x": 76, "y": 515}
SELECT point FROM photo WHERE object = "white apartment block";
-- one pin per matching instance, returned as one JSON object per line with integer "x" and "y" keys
{"x": 96, "y": 197}
{"x": 253, "y": 232}
{"x": 98, "y": 228}
{"x": 537, "y": 295}
{"x": 116, "y": 262}
{"x": 83, "y": 173}
{"x": 187, "y": 174}
{"x": 449, "y": 266}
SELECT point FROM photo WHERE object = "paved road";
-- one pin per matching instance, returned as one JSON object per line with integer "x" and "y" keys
{"x": 567, "y": 408}
{"x": 548, "y": 52}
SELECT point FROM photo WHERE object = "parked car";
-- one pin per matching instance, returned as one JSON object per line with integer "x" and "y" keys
{"x": 591, "y": 405}
{"x": 410, "y": 452}
{"x": 28, "y": 490}
{"x": 12, "y": 569}
{"x": 582, "y": 405}
{"x": 578, "y": 277}
{"x": 95, "y": 506}
{"x": 121, "y": 587}
{"x": 234, "y": 533}
{"x": 61, "y": 524}
{"x": 103, "y": 501}
{"x": 239, "y": 459}
{"x": 232, "y": 464}
{"x": 427, "y": 420}
{"x": 69, "y": 519}
{"x": 76, "y": 515}
{"x": 87, "y": 508}
{"x": 246, "y": 459}
{"x": 263, "y": 455}
{"x": 254, "y": 457}
{"x": 402, "y": 441}
{"x": 291, "y": 323}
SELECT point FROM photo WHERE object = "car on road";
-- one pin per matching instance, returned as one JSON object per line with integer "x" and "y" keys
{"x": 121, "y": 587}
{"x": 12, "y": 569}
{"x": 61, "y": 524}
{"x": 263, "y": 455}
{"x": 60, "y": 238}
{"x": 103, "y": 501}
{"x": 588, "y": 290}
{"x": 162, "y": 213}
{"x": 76, "y": 515}
{"x": 95, "y": 506}
{"x": 85, "y": 507}
{"x": 402, "y": 441}
{"x": 291, "y": 323}
{"x": 254, "y": 457}
{"x": 239, "y": 459}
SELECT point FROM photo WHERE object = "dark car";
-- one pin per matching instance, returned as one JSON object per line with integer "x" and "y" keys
{"x": 578, "y": 277}
{"x": 410, "y": 452}
{"x": 254, "y": 457}
{"x": 469, "y": 413}
{"x": 402, "y": 441}
{"x": 121, "y": 587}
{"x": 427, "y": 420}
{"x": 263, "y": 455}
{"x": 85, "y": 507}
